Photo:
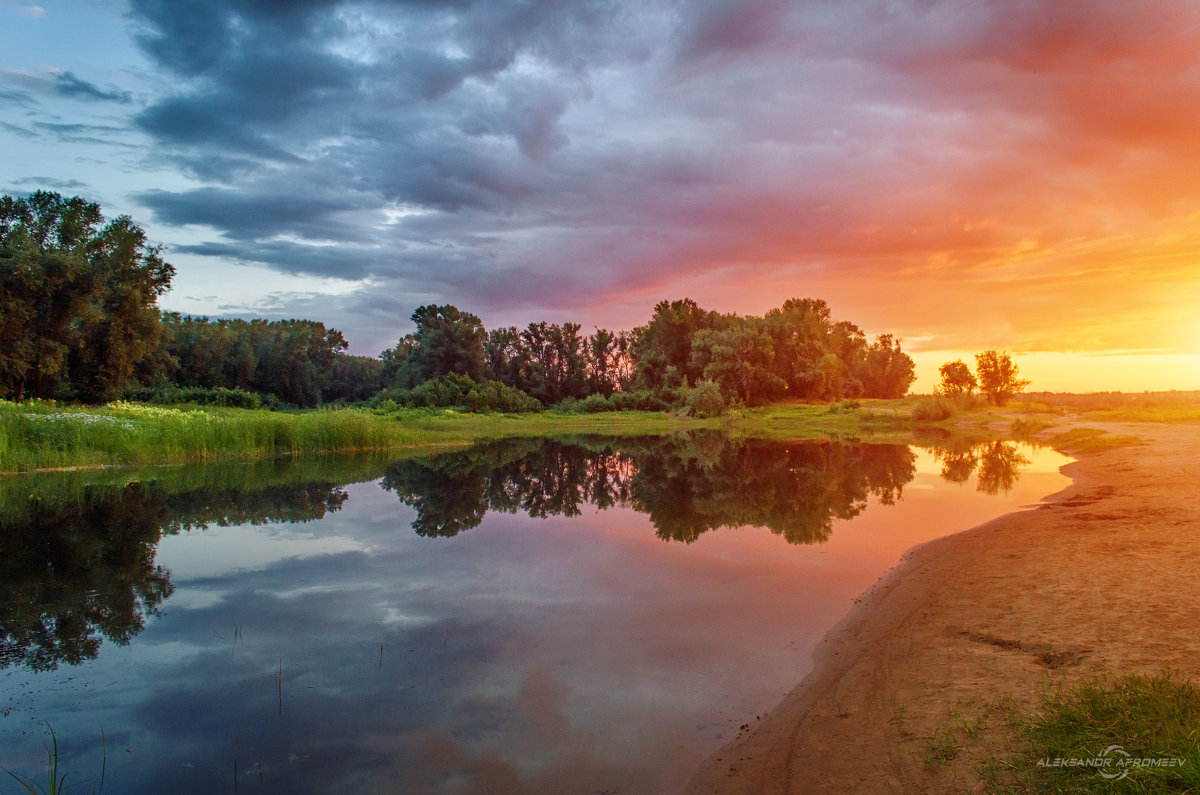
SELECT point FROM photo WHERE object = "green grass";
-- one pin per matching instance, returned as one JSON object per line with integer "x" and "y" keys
{"x": 41, "y": 435}
{"x": 45, "y": 435}
{"x": 941, "y": 749}
{"x": 55, "y": 783}
{"x": 1146, "y": 717}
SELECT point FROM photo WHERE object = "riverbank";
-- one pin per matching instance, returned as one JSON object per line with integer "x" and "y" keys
{"x": 42, "y": 435}
{"x": 915, "y": 690}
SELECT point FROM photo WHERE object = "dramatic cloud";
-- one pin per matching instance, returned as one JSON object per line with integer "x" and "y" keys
{"x": 985, "y": 174}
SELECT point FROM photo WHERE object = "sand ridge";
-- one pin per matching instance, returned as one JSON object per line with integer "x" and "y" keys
{"x": 1103, "y": 576}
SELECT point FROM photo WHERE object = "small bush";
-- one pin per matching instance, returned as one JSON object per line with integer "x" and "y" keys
{"x": 844, "y": 407}
{"x": 933, "y": 409}
{"x": 645, "y": 400}
{"x": 593, "y": 404}
{"x": 495, "y": 396}
{"x": 705, "y": 400}
{"x": 568, "y": 405}
{"x": 449, "y": 390}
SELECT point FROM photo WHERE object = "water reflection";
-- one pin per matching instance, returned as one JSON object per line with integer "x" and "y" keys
{"x": 687, "y": 484}
{"x": 339, "y": 650}
{"x": 997, "y": 464}
{"x": 77, "y": 557}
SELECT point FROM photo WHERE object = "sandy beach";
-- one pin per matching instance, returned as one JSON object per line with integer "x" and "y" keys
{"x": 1101, "y": 577}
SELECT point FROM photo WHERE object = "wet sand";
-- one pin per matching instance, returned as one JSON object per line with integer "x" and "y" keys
{"x": 1103, "y": 576}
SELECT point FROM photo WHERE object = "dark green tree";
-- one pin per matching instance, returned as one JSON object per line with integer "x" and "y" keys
{"x": 886, "y": 371}
{"x": 78, "y": 298}
{"x": 447, "y": 341}
{"x": 663, "y": 347}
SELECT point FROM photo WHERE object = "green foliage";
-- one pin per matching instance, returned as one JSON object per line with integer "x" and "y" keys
{"x": 795, "y": 351}
{"x": 887, "y": 372}
{"x": 291, "y": 361}
{"x": 78, "y": 313}
{"x": 449, "y": 390}
{"x": 37, "y": 434}
{"x": 447, "y": 342}
{"x": 459, "y": 391}
{"x": 595, "y": 403}
{"x": 740, "y": 359}
{"x": 998, "y": 376}
{"x": 1145, "y": 716}
{"x": 705, "y": 400}
{"x": 495, "y": 396}
{"x": 167, "y": 394}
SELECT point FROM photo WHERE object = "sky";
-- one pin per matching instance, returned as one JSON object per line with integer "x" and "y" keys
{"x": 966, "y": 174}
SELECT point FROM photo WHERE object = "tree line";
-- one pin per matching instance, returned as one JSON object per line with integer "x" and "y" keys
{"x": 79, "y": 321}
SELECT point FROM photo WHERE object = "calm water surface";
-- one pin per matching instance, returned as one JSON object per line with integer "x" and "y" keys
{"x": 521, "y": 616}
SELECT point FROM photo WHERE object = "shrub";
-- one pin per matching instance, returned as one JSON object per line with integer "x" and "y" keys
{"x": 495, "y": 396}
{"x": 449, "y": 390}
{"x": 705, "y": 399}
{"x": 568, "y": 405}
{"x": 933, "y": 409}
{"x": 596, "y": 403}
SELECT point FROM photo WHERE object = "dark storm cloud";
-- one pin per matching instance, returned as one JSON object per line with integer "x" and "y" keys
{"x": 245, "y": 216}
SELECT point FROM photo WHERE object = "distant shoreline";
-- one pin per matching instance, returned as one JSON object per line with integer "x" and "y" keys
{"x": 1098, "y": 578}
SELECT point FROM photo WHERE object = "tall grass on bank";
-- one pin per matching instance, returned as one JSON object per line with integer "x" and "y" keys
{"x": 43, "y": 435}
{"x": 46, "y": 435}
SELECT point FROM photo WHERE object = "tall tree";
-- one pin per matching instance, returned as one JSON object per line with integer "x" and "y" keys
{"x": 957, "y": 378}
{"x": 78, "y": 298}
{"x": 447, "y": 341}
{"x": 663, "y": 347}
{"x": 887, "y": 371}
{"x": 998, "y": 376}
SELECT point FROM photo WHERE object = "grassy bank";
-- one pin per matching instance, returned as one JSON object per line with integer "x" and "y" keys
{"x": 45, "y": 435}
{"x": 42, "y": 435}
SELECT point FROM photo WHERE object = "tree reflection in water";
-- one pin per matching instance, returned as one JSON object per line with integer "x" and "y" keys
{"x": 77, "y": 552}
{"x": 997, "y": 465}
{"x": 77, "y": 557}
{"x": 688, "y": 484}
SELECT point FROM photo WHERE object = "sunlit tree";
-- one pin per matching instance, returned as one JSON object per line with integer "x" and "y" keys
{"x": 957, "y": 379}
{"x": 998, "y": 376}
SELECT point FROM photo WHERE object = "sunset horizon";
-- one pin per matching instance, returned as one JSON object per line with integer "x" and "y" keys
{"x": 993, "y": 176}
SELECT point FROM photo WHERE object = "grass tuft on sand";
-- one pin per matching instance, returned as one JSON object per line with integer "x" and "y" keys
{"x": 1147, "y": 726}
